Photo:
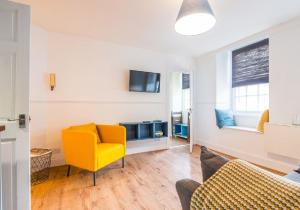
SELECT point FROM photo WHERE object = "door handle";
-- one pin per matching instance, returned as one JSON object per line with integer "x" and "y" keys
{"x": 21, "y": 119}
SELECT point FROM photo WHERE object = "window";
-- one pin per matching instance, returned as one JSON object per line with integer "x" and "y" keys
{"x": 186, "y": 99}
{"x": 185, "y": 81}
{"x": 250, "y": 78}
{"x": 251, "y": 98}
{"x": 186, "y": 92}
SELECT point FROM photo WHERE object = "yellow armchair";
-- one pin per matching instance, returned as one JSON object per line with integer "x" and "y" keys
{"x": 92, "y": 147}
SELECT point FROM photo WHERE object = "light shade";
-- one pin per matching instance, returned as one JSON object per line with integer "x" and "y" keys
{"x": 195, "y": 17}
{"x": 52, "y": 81}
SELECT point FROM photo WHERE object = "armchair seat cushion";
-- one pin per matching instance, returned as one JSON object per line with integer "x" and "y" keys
{"x": 108, "y": 153}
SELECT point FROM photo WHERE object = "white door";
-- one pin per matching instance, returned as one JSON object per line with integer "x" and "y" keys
{"x": 187, "y": 107}
{"x": 189, "y": 100}
{"x": 191, "y": 111}
{"x": 14, "y": 103}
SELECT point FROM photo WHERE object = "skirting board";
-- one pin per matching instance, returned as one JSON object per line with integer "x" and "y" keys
{"x": 270, "y": 163}
{"x": 146, "y": 146}
{"x": 57, "y": 161}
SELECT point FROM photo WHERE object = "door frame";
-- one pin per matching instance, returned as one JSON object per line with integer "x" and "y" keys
{"x": 169, "y": 109}
{"x": 1, "y": 130}
{"x": 18, "y": 44}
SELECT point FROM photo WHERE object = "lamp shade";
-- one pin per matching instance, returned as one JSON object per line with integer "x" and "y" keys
{"x": 195, "y": 17}
{"x": 52, "y": 81}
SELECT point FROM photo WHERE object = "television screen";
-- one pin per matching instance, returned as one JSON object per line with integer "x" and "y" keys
{"x": 141, "y": 81}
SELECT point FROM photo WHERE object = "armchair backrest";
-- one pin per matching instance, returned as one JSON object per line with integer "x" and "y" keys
{"x": 112, "y": 134}
{"x": 88, "y": 127}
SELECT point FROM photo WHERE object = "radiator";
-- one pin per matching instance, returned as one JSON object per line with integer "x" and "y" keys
{"x": 283, "y": 140}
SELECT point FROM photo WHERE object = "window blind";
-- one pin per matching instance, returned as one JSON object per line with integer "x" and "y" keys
{"x": 250, "y": 64}
{"x": 185, "y": 81}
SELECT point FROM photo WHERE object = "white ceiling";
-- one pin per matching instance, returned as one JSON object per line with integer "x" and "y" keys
{"x": 150, "y": 23}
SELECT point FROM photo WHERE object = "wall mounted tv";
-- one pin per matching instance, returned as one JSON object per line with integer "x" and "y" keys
{"x": 140, "y": 81}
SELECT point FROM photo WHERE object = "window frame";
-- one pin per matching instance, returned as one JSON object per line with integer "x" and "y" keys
{"x": 249, "y": 113}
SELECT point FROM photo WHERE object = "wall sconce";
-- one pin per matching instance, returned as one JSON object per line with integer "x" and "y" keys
{"x": 52, "y": 81}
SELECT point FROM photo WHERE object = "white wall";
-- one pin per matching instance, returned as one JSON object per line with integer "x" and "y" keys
{"x": 92, "y": 85}
{"x": 284, "y": 100}
{"x": 38, "y": 86}
{"x": 285, "y": 73}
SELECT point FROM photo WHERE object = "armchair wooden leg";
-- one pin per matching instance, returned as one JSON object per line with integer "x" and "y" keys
{"x": 94, "y": 177}
{"x": 123, "y": 162}
{"x": 69, "y": 169}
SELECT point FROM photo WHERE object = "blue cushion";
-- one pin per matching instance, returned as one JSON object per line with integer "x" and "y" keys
{"x": 294, "y": 176}
{"x": 224, "y": 118}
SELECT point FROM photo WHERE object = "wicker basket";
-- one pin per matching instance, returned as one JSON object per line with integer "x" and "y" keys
{"x": 40, "y": 165}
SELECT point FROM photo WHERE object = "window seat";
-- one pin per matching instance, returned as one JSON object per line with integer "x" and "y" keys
{"x": 246, "y": 129}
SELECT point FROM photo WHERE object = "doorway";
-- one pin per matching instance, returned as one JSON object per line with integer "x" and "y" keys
{"x": 180, "y": 106}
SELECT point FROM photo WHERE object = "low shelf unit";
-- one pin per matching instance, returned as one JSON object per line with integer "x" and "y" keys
{"x": 145, "y": 130}
{"x": 182, "y": 130}
{"x": 146, "y": 136}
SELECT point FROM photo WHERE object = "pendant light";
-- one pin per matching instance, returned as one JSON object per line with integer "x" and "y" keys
{"x": 195, "y": 17}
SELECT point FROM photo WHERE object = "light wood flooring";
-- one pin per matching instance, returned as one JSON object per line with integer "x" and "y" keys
{"x": 147, "y": 182}
{"x": 178, "y": 142}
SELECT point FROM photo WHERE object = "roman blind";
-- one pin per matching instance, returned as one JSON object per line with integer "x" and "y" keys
{"x": 250, "y": 64}
{"x": 185, "y": 81}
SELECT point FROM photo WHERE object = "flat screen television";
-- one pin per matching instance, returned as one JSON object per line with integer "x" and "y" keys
{"x": 141, "y": 81}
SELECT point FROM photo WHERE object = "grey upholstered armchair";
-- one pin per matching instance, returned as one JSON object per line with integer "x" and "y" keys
{"x": 210, "y": 163}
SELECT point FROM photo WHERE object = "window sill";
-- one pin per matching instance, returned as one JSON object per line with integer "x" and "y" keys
{"x": 245, "y": 114}
{"x": 251, "y": 130}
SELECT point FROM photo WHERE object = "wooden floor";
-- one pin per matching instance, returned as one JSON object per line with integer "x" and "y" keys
{"x": 178, "y": 142}
{"x": 146, "y": 182}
